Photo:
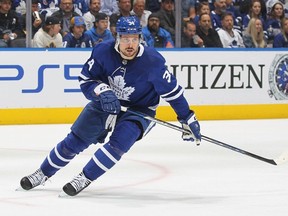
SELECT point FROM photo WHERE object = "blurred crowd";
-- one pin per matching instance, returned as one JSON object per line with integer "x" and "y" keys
{"x": 204, "y": 23}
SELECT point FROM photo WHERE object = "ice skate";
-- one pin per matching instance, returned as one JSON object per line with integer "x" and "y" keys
{"x": 78, "y": 183}
{"x": 33, "y": 180}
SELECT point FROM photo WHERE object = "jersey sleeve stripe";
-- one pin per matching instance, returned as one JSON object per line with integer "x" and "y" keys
{"x": 175, "y": 96}
{"x": 175, "y": 89}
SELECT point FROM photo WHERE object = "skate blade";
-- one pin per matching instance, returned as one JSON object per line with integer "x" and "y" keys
{"x": 20, "y": 189}
{"x": 62, "y": 194}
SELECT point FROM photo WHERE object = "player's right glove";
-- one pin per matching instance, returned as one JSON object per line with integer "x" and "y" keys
{"x": 107, "y": 98}
{"x": 191, "y": 124}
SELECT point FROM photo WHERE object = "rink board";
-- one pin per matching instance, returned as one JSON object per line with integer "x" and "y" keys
{"x": 68, "y": 115}
{"x": 40, "y": 85}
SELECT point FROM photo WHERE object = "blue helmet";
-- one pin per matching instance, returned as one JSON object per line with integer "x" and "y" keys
{"x": 128, "y": 25}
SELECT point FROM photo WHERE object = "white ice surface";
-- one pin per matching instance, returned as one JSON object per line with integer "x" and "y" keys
{"x": 161, "y": 175}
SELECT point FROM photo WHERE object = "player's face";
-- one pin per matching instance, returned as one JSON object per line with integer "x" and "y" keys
{"x": 129, "y": 45}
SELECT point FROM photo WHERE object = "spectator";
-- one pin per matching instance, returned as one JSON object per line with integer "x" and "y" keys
{"x": 188, "y": 10}
{"x": 48, "y": 36}
{"x": 80, "y": 7}
{"x": 124, "y": 10}
{"x": 65, "y": 13}
{"x": 109, "y": 7}
{"x": 203, "y": 7}
{"x": 19, "y": 6}
{"x": 210, "y": 2}
{"x": 154, "y": 35}
{"x": 89, "y": 17}
{"x": 281, "y": 39}
{"x": 37, "y": 19}
{"x": 205, "y": 31}
{"x": 286, "y": 8}
{"x": 153, "y": 5}
{"x": 254, "y": 12}
{"x": 216, "y": 15}
{"x": 220, "y": 9}
{"x": 139, "y": 11}
{"x": 229, "y": 37}
{"x": 100, "y": 31}
{"x": 245, "y": 5}
{"x": 76, "y": 37}
{"x": 233, "y": 9}
{"x": 191, "y": 14}
{"x": 48, "y": 7}
{"x": 275, "y": 13}
{"x": 11, "y": 33}
{"x": 189, "y": 37}
{"x": 167, "y": 17}
{"x": 44, "y": 4}
{"x": 253, "y": 36}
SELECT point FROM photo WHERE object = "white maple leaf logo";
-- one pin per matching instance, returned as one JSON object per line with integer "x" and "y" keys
{"x": 118, "y": 86}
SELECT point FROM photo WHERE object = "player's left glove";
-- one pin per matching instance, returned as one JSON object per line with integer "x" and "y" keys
{"x": 107, "y": 98}
{"x": 191, "y": 124}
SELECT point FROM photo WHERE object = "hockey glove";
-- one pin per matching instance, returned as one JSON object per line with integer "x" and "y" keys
{"x": 107, "y": 98}
{"x": 191, "y": 124}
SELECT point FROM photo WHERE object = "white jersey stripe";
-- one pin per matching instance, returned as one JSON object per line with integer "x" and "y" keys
{"x": 84, "y": 77}
{"x": 176, "y": 87}
{"x": 52, "y": 164}
{"x": 109, "y": 155}
{"x": 175, "y": 96}
{"x": 99, "y": 164}
{"x": 60, "y": 157}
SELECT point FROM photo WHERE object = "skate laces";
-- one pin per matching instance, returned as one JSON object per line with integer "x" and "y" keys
{"x": 80, "y": 181}
{"x": 37, "y": 178}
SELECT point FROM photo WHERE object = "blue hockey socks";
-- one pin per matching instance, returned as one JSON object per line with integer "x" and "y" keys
{"x": 103, "y": 159}
{"x": 123, "y": 137}
{"x": 62, "y": 154}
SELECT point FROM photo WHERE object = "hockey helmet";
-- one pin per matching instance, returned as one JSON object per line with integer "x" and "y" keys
{"x": 128, "y": 25}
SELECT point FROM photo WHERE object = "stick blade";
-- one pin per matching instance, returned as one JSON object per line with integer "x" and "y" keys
{"x": 283, "y": 158}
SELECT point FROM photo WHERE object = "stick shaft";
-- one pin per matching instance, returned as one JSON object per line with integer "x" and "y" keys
{"x": 208, "y": 139}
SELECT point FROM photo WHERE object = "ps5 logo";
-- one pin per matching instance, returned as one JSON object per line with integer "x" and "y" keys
{"x": 18, "y": 73}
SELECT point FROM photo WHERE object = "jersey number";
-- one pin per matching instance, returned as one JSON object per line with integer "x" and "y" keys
{"x": 90, "y": 63}
{"x": 167, "y": 76}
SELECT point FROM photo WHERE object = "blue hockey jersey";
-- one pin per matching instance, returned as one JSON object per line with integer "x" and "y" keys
{"x": 70, "y": 41}
{"x": 137, "y": 83}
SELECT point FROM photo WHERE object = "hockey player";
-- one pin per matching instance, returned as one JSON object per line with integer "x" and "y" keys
{"x": 118, "y": 73}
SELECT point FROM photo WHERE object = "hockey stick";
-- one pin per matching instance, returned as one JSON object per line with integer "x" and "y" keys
{"x": 280, "y": 160}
